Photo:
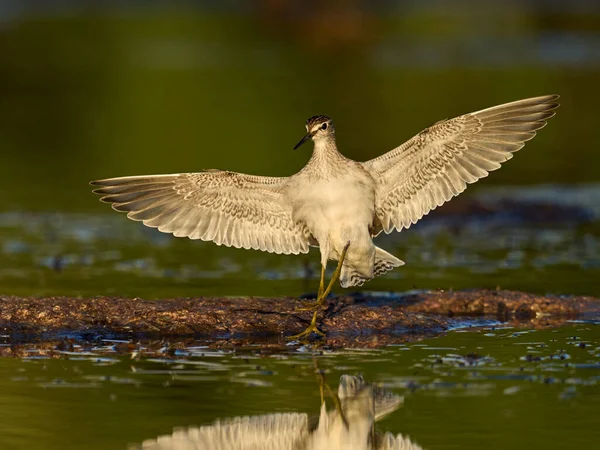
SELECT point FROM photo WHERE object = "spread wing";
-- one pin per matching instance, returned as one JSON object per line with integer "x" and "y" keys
{"x": 399, "y": 442}
{"x": 227, "y": 208}
{"x": 439, "y": 162}
{"x": 287, "y": 431}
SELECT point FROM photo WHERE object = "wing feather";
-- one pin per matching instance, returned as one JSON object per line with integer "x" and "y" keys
{"x": 231, "y": 209}
{"x": 286, "y": 431}
{"x": 399, "y": 442}
{"x": 439, "y": 163}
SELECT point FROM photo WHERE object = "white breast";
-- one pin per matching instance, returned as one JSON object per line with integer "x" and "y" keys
{"x": 337, "y": 209}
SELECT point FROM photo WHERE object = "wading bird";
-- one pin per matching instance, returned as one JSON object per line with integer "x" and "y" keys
{"x": 350, "y": 426}
{"x": 333, "y": 203}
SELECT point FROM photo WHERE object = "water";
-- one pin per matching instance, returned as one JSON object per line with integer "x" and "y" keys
{"x": 538, "y": 239}
{"x": 89, "y": 92}
{"x": 92, "y": 94}
{"x": 501, "y": 388}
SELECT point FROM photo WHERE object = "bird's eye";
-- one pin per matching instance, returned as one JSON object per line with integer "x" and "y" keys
{"x": 324, "y": 126}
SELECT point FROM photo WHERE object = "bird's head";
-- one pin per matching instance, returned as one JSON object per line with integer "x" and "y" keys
{"x": 318, "y": 128}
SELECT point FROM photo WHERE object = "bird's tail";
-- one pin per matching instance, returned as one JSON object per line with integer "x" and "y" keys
{"x": 384, "y": 262}
{"x": 385, "y": 401}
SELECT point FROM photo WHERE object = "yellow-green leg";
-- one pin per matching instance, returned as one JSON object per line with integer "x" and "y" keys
{"x": 322, "y": 297}
{"x": 337, "y": 273}
{"x": 338, "y": 404}
{"x": 321, "y": 387}
{"x": 312, "y": 327}
{"x": 322, "y": 282}
{"x": 336, "y": 399}
{"x": 311, "y": 306}
{"x": 322, "y": 394}
{"x": 320, "y": 378}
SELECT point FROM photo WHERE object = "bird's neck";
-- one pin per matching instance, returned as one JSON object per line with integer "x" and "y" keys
{"x": 325, "y": 150}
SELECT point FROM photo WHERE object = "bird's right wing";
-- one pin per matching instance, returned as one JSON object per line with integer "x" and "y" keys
{"x": 228, "y": 208}
{"x": 439, "y": 162}
{"x": 287, "y": 431}
{"x": 399, "y": 442}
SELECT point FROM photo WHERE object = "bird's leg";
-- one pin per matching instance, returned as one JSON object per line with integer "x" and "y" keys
{"x": 338, "y": 405}
{"x": 321, "y": 300}
{"x": 311, "y": 306}
{"x": 321, "y": 390}
{"x": 336, "y": 275}
{"x": 312, "y": 327}
{"x": 321, "y": 378}
{"x": 322, "y": 282}
{"x": 335, "y": 397}
{"x": 323, "y": 293}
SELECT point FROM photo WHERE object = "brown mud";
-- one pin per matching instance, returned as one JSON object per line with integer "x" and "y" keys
{"x": 358, "y": 320}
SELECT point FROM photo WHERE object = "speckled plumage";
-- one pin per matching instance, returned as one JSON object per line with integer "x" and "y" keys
{"x": 334, "y": 200}
{"x": 361, "y": 403}
{"x": 311, "y": 122}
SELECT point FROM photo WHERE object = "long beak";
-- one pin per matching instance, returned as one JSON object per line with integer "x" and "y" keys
{"x": 303, "y": 140}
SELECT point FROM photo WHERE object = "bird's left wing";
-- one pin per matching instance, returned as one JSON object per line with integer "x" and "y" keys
{"x": 439, "y": 162}
{"x": 286, "y": 431}
{"x": 228, "y": 208}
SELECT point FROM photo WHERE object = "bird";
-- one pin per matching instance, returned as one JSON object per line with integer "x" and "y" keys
{"x": 334, "y": 203}
{"x": 350, "y": 426}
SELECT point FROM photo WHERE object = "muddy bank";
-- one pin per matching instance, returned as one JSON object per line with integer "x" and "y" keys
{"x": 220, "y": 318}
{"x": 359, "y": 319}
{"x": 505, "y": 305}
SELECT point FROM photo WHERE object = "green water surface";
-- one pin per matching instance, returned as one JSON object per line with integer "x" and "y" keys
{"x": 495, "y": 388}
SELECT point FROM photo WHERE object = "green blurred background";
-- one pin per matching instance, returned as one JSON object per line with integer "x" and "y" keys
{"x": 96, "y": 89}
{"x": 99, "y": 89}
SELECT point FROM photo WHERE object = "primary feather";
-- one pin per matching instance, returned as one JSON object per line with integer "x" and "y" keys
{"x": 228, "y": 208}
{"x": 439, "y": 162}
{"x": 334, "y": 200}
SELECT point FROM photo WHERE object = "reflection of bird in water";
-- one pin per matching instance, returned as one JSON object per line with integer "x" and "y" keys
{"x": 350, "y": 426}
{"x": 334, "y": 203}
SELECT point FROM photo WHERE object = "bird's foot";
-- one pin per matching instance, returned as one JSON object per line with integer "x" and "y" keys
{"x": 310, "y": 329}
{"x": 312, "y": 306}
{"x": 306, "y": 333}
